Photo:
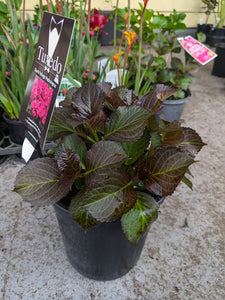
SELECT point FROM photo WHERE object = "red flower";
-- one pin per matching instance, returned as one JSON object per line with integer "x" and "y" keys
{"x": 97, "y": 22}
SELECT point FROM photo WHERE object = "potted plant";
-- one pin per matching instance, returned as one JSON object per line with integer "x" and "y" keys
{"x": 17, "y": 52}
{"x": 161, "y": 60}
{"x": 204, "y": 28}
{"x": 111, "y": 164}
{"x": 217, "y": 32}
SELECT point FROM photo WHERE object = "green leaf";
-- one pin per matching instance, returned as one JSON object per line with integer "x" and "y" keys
{"x": 136, "y": 222}
{"x": 112, "y": 197}
{"x": 79, "y": 214}
{"x": 187, "y": 182}
{"x": 136, "y": 149}
{"x": 101, "y": 158}
{"x": 162, "y": 171}
{"x": 39, "y": 182}
{"x": 3, "y": 8}
{"x": 127, "y": 124}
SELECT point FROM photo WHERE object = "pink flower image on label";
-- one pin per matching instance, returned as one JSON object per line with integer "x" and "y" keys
{"x": 41, "y": 96}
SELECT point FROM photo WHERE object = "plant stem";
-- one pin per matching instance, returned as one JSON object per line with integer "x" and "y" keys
{"x": 139, "y": 52}
{"x": 128, "y": 18}
{"x": 115, "y": 21}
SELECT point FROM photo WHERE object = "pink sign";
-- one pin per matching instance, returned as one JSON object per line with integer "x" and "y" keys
{"x": 198, "y": 51}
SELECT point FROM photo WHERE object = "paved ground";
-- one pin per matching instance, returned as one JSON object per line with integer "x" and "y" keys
{"x": 177, "y": 262}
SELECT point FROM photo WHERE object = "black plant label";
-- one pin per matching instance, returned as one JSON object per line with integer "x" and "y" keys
{"x": 46, "y": 75}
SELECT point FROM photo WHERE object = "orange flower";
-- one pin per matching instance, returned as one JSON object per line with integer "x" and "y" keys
{"x": 126, "y": 17}
{"x": 130, "y": 36}
{"x": 116, "y": 56}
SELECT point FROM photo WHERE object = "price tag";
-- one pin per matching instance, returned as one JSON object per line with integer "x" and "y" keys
{"x": 197, "y": 50}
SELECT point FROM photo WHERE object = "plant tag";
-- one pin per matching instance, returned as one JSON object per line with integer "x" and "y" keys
{"x": 45, "y": 78}
{"x": 197, "y": 50}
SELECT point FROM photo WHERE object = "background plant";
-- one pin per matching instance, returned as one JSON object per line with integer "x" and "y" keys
{"x": 209, "y": 8}
{"x": 159, "y": 59}
{"x": 17, "y": 53}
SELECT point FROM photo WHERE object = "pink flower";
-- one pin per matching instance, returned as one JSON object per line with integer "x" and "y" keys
{"x": 7, "y": 73}
{"x": 41, "y": 96}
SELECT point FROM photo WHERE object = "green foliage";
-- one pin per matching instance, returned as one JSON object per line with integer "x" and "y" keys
{"x": 159, "y": 63}
{"x": 109, "y": 146}
{"x": 136, "y": 222}
{"x": 19, "y": 42}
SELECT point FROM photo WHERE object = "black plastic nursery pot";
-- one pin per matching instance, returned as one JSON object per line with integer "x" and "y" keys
{"x": 215, "y": 36}
{"x": 219, "y": 61}
{"x": 172, "y": 109}
{"x": 103, "y": 252}
{"x": 16, "y": 129}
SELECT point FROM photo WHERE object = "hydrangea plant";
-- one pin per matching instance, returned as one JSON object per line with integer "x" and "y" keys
{"x": 111, "y": 157}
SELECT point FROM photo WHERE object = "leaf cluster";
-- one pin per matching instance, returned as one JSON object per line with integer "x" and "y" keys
{"x": 111, "y": 150}
{"x": 17, "y": 53}
{"x": 160, "y": 61}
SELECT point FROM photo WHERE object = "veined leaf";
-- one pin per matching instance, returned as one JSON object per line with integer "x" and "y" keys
{"x": 127, "y": 124}
{"x": 87, "y": 102}
{"x": 60, "y": 126}
{"x": 103, "y": 157}
{"x": 39, "y": 182}
{"x": 160, "y": 92}
{"x": 136, "y": 149}
{"x": 136, "y": 222}
{"x": 111, "y": 198}
{"x": 74, "y": 143}
{"x": 162, "y": 171}
{"x": 79, "y": 214}
{"x": 192, "y": 142}
{"x": 68, "y": 163}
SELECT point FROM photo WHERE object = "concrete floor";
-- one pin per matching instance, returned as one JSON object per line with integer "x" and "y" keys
{"x": 177, "y": 262}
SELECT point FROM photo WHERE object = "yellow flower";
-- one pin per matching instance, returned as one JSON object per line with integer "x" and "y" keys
{"x": 130, "y": 36}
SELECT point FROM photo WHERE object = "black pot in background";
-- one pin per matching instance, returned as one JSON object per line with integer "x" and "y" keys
{"x": 16, "y": 129}
{"x": 219, "y": 61}
{"x": 107, "y": 39}
{"x": 204, "y": 28}
{"x": 103, "y": 252}
{"x": 215, "y": 36}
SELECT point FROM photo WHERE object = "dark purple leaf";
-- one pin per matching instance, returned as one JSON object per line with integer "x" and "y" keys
{"x": 127, "y": 124}
{"x": 61, "y": 124}
{"x": 68, "y": 163}
{"x": 39, "y": 182}
{"x": 103, "y": 157}
{"x": 160, "y": 92}
{"x": 162, "y": 171}
{"x": 87, "y": 102}
{"x": 79, "y": 214}
{"x": 111, "y": 198}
